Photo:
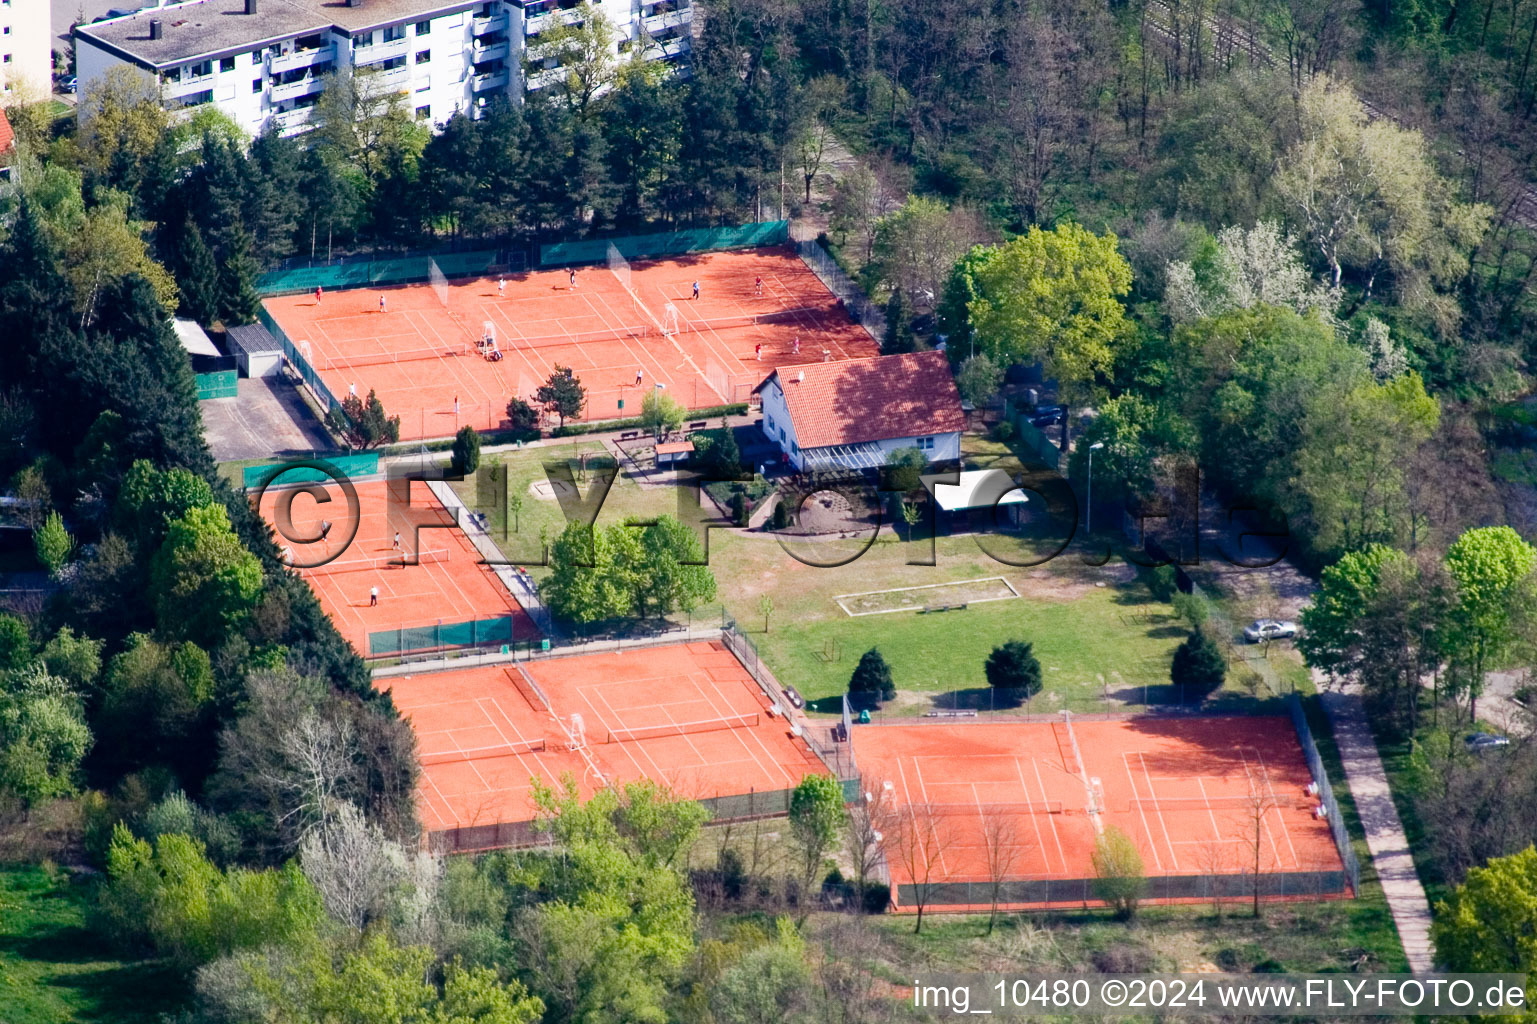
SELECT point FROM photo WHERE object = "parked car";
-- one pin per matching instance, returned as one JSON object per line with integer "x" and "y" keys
{"x": 1477, "y": 742}
{"x": 69, "y": 83}
{"x": 1269, "y": 629}
{"x": 1047, "y": 416}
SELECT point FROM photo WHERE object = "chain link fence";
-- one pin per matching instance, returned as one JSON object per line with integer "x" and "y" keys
{"x": 860, "y": 309}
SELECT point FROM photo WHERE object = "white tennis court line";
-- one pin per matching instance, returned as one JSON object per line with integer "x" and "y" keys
{"x": 768, "y": 764}
{"x": 1152, "y": 840}
{"x": 920, "y": 845}
{"x": 1162, "y": 822}
{"x": 1275, "y": 806}
{"x": 1055, "y": 835}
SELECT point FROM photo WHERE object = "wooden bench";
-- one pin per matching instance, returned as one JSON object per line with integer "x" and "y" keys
{"x": 699, "y": 425}
{"x": 928, "y": 609}
{"x": 629, "y": 435}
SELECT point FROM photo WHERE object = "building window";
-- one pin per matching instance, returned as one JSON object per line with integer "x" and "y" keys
{"x": 423, "y": 56}
{"x": 7, "y": 58}
{"x": 256, "y": 55}
{"x": 768, "y": 424}
{"x": 423, "y": 113}
{"x": 394, "y": 32}
{"x": 226, "y": 63}
{"x": 781, "y": 433}
{"x": 423, "y": 27}
{"x": 924, "y": 443}
{"x": 201, "y": 70}
{"x": 256, "y": 85}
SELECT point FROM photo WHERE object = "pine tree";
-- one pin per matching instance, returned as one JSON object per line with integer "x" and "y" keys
{"x": 899, "y": 336}
{"x": 871, "y": 681}
{"x": 238, "y": 301}
{"x": 1198, "y": 666}
{"x": 197, "y": 275}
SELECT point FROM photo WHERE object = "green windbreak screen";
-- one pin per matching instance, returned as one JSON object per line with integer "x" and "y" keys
{"x": 667, "y": 243}
{"x": 475, "y": 633}
{"x": 354, "y": 465}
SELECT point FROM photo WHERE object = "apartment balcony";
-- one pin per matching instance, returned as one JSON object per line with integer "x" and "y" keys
{"x": 293, "y": 90}
{"x": 658, "y": 23}
{"x": 292, "y": 121}
{"x": 498, "y": 50}
{"x": 485, "y": 26}
{"x": 176, "y": 89}
{"x": 492, "y": 80}
{"x": 534, "y": 24}
{"x": 393, "y": 80}
{"x": 540, "y": 79}
{"x": 377, "y": 52}
{"x": 300, "y": 59}
{"x": 662, "y": 48}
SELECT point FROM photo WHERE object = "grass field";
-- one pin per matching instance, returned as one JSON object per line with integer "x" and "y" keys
{"x": 54, "y": 970}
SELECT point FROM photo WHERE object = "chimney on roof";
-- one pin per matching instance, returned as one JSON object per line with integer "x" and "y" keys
{"x": 800, "y": 378}
{"x": 250, "y": 6}
{"x": 156, "y": 29}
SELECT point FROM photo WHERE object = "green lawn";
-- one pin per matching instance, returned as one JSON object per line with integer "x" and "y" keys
{"x": 53, "y": 969}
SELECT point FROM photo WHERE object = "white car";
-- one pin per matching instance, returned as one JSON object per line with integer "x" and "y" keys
{"x": 1269, "y": 629}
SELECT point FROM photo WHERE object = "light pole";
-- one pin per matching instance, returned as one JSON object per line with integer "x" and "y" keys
{"x": 1096, "y": 446}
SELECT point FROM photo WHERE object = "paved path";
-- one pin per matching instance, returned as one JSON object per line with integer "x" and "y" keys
{"x": 1384, "y": 832}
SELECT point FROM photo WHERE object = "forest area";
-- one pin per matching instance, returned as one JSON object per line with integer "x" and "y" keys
{"x": 1292, "y": 242}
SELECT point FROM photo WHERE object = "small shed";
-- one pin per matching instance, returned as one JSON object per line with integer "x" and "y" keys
{"x": 258, "y": 352}
{"x": 670, "y": 453}
{"x": 215, "y": 371}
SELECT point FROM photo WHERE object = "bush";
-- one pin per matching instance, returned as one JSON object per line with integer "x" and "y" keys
{"x": 781, "y": 520}
{"x": 1014, "y": 673}
{"x": 522, "y": 418}
{"x": 1198, "y": 666}
{"x": 1161, "y": 582}
{"x": 466, "y": 451}
{"x": 1003, "y": 430}
{"x": 877, "y": 897}
{"x": 871, "y": 680}
{"x": 1119, "y": 877}
{"x": 739, "y": 512}
{"x": 52, "y": 543}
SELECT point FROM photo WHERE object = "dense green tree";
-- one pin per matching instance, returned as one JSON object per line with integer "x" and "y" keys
{"x": 74, "y": 659}
{"x": 1489, "y": 922}
{"x": 1053, "y": 296}
{"x": 363, "y": 423}
{"x": 871, "y": 681}
{"x": 816, "y": 821}
{"x": 1492, "y": 569}
{"x": 563, "y": 394}
{"x": 1014, "y": 673}
{"x": 466, "y": 451}
{"x": 522, "y": 417}
{"x": 660, "y": 413}
{"x": 1198, "y": 667}
{"x": 1119, "y": 876}
{"x": 979, "y": 379}
{"x": 52, "y": 543}
{"x": 170, "y": 899}
{"x": 203, "y": 581}
{"x": 154, "y": 707}
{"x": 15, "y": 642}
{"x": 43, "y": 735}
{"x": 899, "y": 336}
{"x": 197, "y": 275}
{"x": 671, "y": 573}
{"x": 151, "y": 499}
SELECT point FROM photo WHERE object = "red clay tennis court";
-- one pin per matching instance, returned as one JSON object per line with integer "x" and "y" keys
{"x": 420, "y": 354}
{"x": 685, "y": 715}
{"x": 1196, "y": 795}
{"x": 448, "y": 599}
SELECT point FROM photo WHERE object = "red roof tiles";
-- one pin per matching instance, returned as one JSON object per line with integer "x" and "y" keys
{"x": 6, "y": 135}
{"x": 857, "y": 400}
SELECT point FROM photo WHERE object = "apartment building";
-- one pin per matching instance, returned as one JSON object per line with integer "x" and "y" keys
{"x": 265, "y": 61}
{"x": 26, "y": 51}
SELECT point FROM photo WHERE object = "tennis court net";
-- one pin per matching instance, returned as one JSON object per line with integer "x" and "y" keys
{"x": 577, "y": 337}
{"x": 989, "y": 811}
{"x": 531, "y": 691}
{"x": 398, "y": 560}
{"x": 481, "y": 753}
{"x": 681, "y": 728}
{"x": 1259, "y": 801}
{"x": 382, "y": 358}
{"x": 806, "y": 317}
